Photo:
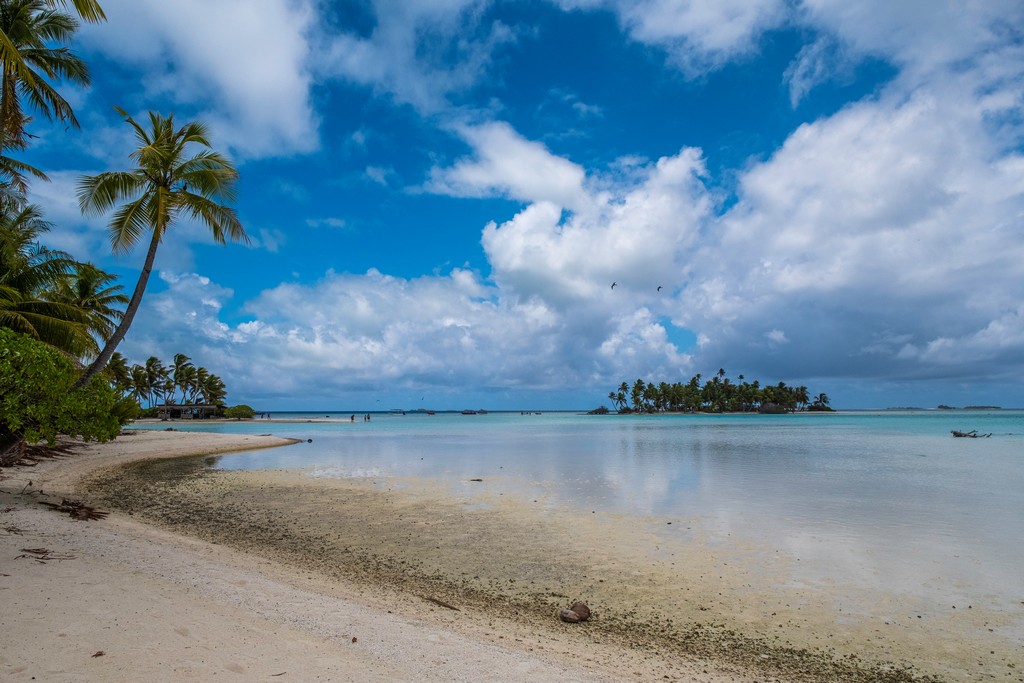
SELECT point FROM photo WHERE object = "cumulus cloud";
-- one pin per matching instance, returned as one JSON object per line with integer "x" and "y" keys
{"x": 701, "y": 35}
{"x": 924, "y": 40}
{"x": 506, "y": 164}
{"x": 245, "y": 71}
{"x": 885, "y": 221}
{"x": 634, "y": 234}
{"x": 352, "y": 331}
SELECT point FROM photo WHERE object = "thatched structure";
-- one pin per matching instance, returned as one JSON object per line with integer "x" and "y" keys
{"x": 186, "y": 412}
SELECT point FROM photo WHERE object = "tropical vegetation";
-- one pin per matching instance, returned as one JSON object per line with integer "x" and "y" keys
{"x": 59, "y": 315}
{"x": 153, "y": 383}
{"x": 240, "y": 412}
{"x": 716, "y": 395}
{"x": 37, "y": 403}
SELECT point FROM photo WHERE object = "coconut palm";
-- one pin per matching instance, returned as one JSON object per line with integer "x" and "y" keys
{"x": 119, "y": 372}
{"x": 201, "y": 378}
{"x": 185, "y": 379}
{"x": 156, "y": 375}
{"x": 92, "y": 290}
{"x": 33, "y": 50}
{"x": 166, "y": 183}
{"x": 27, "y": 270}
{"x": 140, "y": 386}
{"x": 215, "y": 391}
{"x": 179, "y": 373}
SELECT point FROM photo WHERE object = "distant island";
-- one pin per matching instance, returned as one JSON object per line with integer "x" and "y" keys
{"x": 943, "y": 406}
{"x": 716, "y": 395}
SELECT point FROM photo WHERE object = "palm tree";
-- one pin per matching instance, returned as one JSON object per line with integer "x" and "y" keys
{"x": 92, "y": 290}
{"x": 139, "y": 383}
{"x": 119, "y": 372}
{"x": 156, "y": 375}
{"x": 201, "y": 378}
{"x": 165, "y": 183}
{"x": 27, "y": 270}
{"x": 211, "y": 387}
{"x": 178, "y": 372}
{"x": 185, "y": 379}
{"x": 215, "y": 391}
{"x": 31, "y": 29}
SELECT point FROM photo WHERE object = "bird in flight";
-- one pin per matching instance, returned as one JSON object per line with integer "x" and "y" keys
{"x": 659, "y": 288}
{"x": 613, "y": 284}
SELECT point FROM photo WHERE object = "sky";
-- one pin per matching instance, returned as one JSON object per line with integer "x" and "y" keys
{"x": 440, "y": 195}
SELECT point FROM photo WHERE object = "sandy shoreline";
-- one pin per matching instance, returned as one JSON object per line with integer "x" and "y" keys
{"x": 160, "y": 606}
{"x": 266, "y": 579}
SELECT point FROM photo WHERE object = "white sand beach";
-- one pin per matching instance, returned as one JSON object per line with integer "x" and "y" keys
{"x": 119, "y": 600}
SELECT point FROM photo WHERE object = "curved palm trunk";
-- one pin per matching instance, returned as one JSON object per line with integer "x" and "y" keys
{"x": 129, "y": 315}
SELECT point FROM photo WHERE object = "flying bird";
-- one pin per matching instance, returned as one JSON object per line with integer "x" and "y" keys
{"x": 613, "y": 284}
{"x": 659, "y": 288}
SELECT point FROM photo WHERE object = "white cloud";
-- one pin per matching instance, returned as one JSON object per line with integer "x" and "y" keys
{"x": 634, "y": 234}
{"x": 885, "y": 221}
{"x": 246, "y": 71}
{"x": 419, "y": 51}
{"x": 924, "y": 39}
{"x": 701, "y": 35}
{"x": 698, "y": 35}
{"x": 817, "y": 63}
{"x": 330, "y": 222}
{"x": 506, "y": 164}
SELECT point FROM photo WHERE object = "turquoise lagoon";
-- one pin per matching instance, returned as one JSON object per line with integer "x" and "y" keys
{"x": 880, "y": 501}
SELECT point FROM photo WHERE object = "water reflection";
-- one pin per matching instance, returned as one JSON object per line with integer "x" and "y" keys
{"x": 866, "y": 499}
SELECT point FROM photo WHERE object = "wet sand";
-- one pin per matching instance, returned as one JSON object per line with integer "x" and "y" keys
{"x": 668, "y": 602}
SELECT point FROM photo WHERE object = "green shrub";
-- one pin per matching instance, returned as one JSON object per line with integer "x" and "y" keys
{"x": 35, "y": 403}
{"x": 240, "y": 412}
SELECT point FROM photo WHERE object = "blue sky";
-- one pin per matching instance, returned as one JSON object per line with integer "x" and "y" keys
{"x": 441, "y": 193}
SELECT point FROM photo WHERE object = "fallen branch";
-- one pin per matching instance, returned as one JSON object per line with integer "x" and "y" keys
{"x": 442, "y": 603}
{"x": 76, "y": 509}
{"x": 42, "y": 555}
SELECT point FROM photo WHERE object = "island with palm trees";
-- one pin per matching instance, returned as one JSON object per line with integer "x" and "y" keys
{"x": 716, "y": 395}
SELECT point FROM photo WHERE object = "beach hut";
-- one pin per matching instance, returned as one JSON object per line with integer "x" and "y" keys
{"x": 186, "y": 411}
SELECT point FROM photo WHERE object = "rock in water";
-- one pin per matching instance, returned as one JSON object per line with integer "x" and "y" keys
{"x": 582, "y": 610}
{"x": 569, "y": 616}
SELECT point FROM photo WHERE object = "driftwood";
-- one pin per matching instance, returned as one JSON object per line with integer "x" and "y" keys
{"x": 973, "y": 434}
{"x": 42, "y": 555}
{"x": 442, "y": 603}
{"x": 77, "y": 509}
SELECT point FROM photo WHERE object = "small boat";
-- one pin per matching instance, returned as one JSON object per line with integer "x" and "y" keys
{"x": 973, "y": 434}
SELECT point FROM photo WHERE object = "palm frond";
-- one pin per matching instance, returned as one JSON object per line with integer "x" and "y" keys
{"x": 89, "y": 10}
{"x": 99, "y": 193}
{"x": 128, "y": 224}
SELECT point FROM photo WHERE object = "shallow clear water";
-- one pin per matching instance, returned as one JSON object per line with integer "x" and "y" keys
{"x": 885, "y": 499}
